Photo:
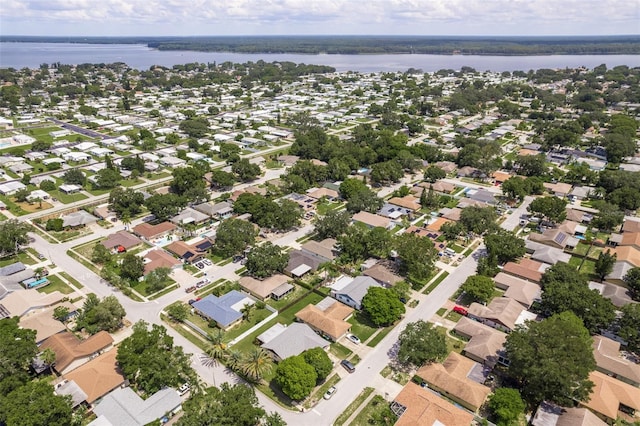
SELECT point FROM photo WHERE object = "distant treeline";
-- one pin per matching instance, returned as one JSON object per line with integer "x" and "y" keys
{"x": 354, "y": 45}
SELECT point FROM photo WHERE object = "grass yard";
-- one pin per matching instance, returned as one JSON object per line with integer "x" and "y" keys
{"x": 435, "y": 284}
{"x": 441, "y": 311}
{"x": 376, "y": 412}
{"x": 324, "y": 207}
{"x": 453, "y": 316}
{"x": 141, "y": 287}
{"x": 361, "y": 326}
{"x": 63, "y": 236}
{"x": 67, "y": 198}
{"x": 55, "y": 284}
{"x": 164, "y": 291}
{"x": 342, "y": 418}
{"x": 72, "y": 280}
{"x": 156, "y": 176}
{"x": 378, "y": 337}
{"x": 18, "y": 257}
{"x": 339, "y": 350}
{"x": 34, "y": 206}
{"x": 453, "y": 345}
{"x": 321, "y": 390}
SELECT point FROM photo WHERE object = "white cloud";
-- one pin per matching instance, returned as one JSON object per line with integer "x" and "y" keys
{"x": 220, "y": 17}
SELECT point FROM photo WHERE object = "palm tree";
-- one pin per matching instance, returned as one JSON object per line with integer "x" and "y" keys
{"x": 234, "y": 359}
{"x": 247, "y": 310}
{"x": 126, "y": 219}
{"x": 257, "y": 363}
{"x": 48, "y": 356}
{"x": 216, "y": 352}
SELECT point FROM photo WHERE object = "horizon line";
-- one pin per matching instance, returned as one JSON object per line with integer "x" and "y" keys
{"x": 326, "y": 35}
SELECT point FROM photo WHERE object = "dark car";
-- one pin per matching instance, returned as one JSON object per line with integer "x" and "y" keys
{"x": 348, "y": 365}
{"x": 190, "y": 289}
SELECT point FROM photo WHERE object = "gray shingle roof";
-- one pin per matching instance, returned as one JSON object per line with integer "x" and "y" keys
{"x": 295, "y": 339}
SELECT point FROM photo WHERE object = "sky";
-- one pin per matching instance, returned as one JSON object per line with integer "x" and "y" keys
{"x": 318, "y": 17}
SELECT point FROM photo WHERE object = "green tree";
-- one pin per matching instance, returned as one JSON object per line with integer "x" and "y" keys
{"x": 229, "y": 405}
{"x": 552, "y": 359}
{"x": 256, "y": 364}
{"x": 189, "y": 183}
{"x": 178, "y": 311}
{"x": 157, "y": 279}
{"x": 553, "y": 208}
{"x": 332, "y": 225}
{"x": 479, "y": 288}
{"x": 74, "y": 177}
{"x": 295, "y": 377}
{"x": 417, "y": 255}
{"x": 420, "y": 343}
{"x": 608, "y": 217}
{"x": 18, "y": 350}
{"x": 131, "y": 267}
{"x": 195, "y": 127}
{"x": 35, "y": 404}
{"x": 100, "y": 254}
{"x": 47, "y": 185}
{"x": 265, "y": 260}
{"x": 632, "y": 279}
{"x": 350, "y": 187}
{"x": 54, "y": 224}
{"x": 365, "y": 200}
{"x": 532, "y": 165}
{"x": 150, "y": 361}
{"x": 221, "y": 179}
{"x": 507, "y": 406}
{"x": 382, "y": 305}
{"x": 61, "y": 313}
{"x": 125, "y": 201}
{"x": 233, "y": 236}
{"x": 478, "y": 219}
{"x": 434, "y": 173}
{"x": 504, "y": 246}
{"x": 21, "y": 195}
{"x": 604, "y": 264}
{"x": 97, "y": 315}
{"x": 628, "y": 326}
{"x": 320, "y": 361}
{"x": 13, "y": 235}
{"x": 48, "y": 357}
{"x": 245, "y": 170}
{"x": 165, "y": 206}
{"x": 107, "y": 178}
{"x": 514, "y": 188}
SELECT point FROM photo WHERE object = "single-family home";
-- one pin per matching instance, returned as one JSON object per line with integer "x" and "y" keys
{"x": 549, "y": 414}
{"x": 353, "y": 292}
{"x": 545, "y": 253}
{"x": 372, "y": 220}
{"x": 618, "y": 295}
{"x": 501, "y": 313}
{"x": 287, "y": 341}
{"x": 454, "y": 379}
{"x": 76, "y": 156}
{"x": 77, "y": 219}
{"x": 612, "y": 399}
{"x": 121, "y": 241}
{"x": 527, "y": 269}
{"x": 10, "y": 188}
{"x": 327, "y": 318}
{"x": 383, "y": 274}
{"x": 124, "y": 407}
{"x": 43, "y": 322}
{"x": 301, "y": 262}
{"x": 71, "y": 352}
{"x": 276, "y": 286}
{"x": 522, "y": 291}
{"x": 185, "y": 252}
{"x": 485, "y": 345}
{"x": 415, "y": 405}
{"x": 327, "y": 193}
{"x": 159, "y": 258}
{"x": 69, "y": 188}
{"x": 188, "y": 216}
{"x": 408, "y": 202}
{"x": 225, "y": 310}
{"x": 150, "y": 232}
{"x": 324, "y": 251}
{"x": 559, "y": 189}
{"x": 612, "y": 362}
{"x": 99, "y": 376}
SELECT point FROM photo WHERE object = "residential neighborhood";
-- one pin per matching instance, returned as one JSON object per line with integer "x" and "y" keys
{"x": 456, "y": 247}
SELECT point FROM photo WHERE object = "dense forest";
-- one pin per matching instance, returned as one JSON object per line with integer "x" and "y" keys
{"x": 353, "y": 45}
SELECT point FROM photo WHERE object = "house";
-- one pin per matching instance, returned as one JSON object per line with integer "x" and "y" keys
{"x": 19, "y": 303}
{"x": 452, "y": 214}
{"x": 415, "y": 405}
{"x": 446, "y": 166}
{"x": 453, "y": 379}
{"x": 72, "y": 352}
{"x": 501, "y": 313}
{"x": 149, "y": 232}
{"x": 44, "y": 323}
{"x": 527, "y": 269}
{"x": 620, "y": 270}
{"x": 408, "y": 202}
{"x": 559, "y": 189}
{"x": 500, "y": 177}
{"x": 611, "y": 399}
{"x": 76, "y": 156}
{"x": 545, "y": 253}
{"x": 69, "y": 188}
{"x": 353, "y": 292}
{"x": 71, "y": 389}
{"x": 393, "y": 211}
{"x": 122, "y": 239}
{"x": 188, "y": 216}
{"x": 185, "y": 252}
{"x": 323, "y": 250}
{"x": 522, "y": 291}
{"x": 549, "y": 414}
{"x": 99, "y": 376}
{"x": 327, "y": 193}
{"x": 618, "y": 295}
{"x": 276, "y": 286}
{"x": 158, "y": 258}
{"x": 10, "y": 188}
{"x": 613, "y": 363}
{"x": 287, "y": 341}
{"x": 327, "y": 318}
{"x": 77, "y": 219}
{"x": 124, "y": 407}
{"x": 301, "y": 262}
{"x": 383, "y": 275}
{"x": 631, "y": 239}
{"x": 631, "y": 225}
{"x": 482, "y": 196}
{"x": 372, "y": 220}
{"x": 288, "y": 160}
{"x": 224, "y": 310}
{"x": 485, "y": 345}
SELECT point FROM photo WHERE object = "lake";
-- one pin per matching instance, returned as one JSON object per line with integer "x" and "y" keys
{"x": 20, "y": 55}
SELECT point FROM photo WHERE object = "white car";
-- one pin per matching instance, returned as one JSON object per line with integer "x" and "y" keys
{"x": 329, "y": 393}
{"x": 184, "y": 389}
{"x": 353, "y": 338}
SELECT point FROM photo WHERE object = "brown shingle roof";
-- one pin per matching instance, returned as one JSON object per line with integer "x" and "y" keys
{"x": 262, "y": 288}
{"x": 423, "y": 407}
{"x": 382, "y": 274}
{"x": 526, "y": 269}
{"x": 148, "y": 231}
{"x": 631, "y": 226}
{"x": 331, "y": 321}
{"x": 159, "y": 258}
{"x": 629, "y": 254}
{"x": 408, "y": 202}
{"x": 607, "y": 395}
{"x": 486, "y": 343}
{"x": 451, "y": 378}
{"x": 121, "y": 238}
{"x": 608, "y": 359}
{"x": 501, "y": 309}
{"x": 630, "y": 239}
{"x": 99, "y": 376}
{"x": 371, "y": 219}
{"x": 68, "y": 347}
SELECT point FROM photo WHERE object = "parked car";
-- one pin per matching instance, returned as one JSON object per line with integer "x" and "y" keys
{"x": 353, "y": 338}
{"x": 184, "y": 389}
{"x": 201, "y": 283}
{"x": 348, "y": 365}
{"x": 190, "y": 289}
{"x": 460, "y": 310}
{"x": 329, "y": 393}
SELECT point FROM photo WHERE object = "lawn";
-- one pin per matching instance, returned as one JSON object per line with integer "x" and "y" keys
{"x": 441, "y": 311}
{"x": 141, "y": 287}
{"x": 342, "y": 418}
{"x": 67, "y": 198}
{"x": 339, "y": 350}
{"x": 72, "y": 280}
{"x": 435, "y": 284}
{"x": 34, "y": 206}
{"x": 378, "y": 337}
{"x": 453, "y": 345}
{"x": 55, "y": 284}
{"x": 376, "y": 412}
{"x": 453, "y": 316}
{"x": 63, "y": 236}
{"x": 19, "y": 257}
{"x": 324, "y": 207}
{"x": 361, "y": 326}
{"x": 156, "y": 176}
{"x": 257, "y": 316}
